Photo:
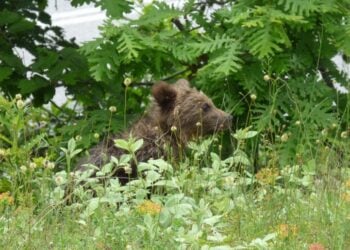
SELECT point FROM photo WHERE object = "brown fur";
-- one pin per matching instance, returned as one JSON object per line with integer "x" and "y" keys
{"x": 177, "y": 114}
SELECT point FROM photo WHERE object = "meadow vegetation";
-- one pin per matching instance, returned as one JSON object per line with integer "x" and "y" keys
{"x": 280, "y": 179}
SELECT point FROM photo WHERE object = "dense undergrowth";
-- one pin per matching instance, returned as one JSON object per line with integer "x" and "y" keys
{"x": 212, "y": 199}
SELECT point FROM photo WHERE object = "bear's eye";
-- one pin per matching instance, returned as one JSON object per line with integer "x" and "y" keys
{"x": 205, "y": 107}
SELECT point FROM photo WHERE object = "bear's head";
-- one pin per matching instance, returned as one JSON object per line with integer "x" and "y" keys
{"x": 187, "y": 112}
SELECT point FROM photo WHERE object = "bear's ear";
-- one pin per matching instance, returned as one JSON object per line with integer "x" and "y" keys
{"x": 165, "y": 95}
{"x": 183, "y": 83}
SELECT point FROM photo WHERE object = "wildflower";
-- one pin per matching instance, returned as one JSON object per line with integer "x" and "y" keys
{"x": 324, "y": 132}
{"x": 344, "y": 134}
{"x": 297, "y": 123}
{"x": 59, "y": 180}
{"x": 318, "y": 141}
{"x": 18, "y": 96}
{"x": 173, "y": 128}
{"x": 32, "y": 165}
{"x": 2, "y": 152}
{"x": 267, "y": 176}
{"x": 23, "y": 168}
{"x": 127, "y": 81}
{"x": 316, "y": 246}
{"x": 149, "y": 207}
{"x": 112, "y": 109}
{"x": 286, "y": 230}
{"x": 78, "y": 138}
{"x": 284, "y": 137}
{"x": 49, "y": 164}
{"x": 253, "y": 97}
{"x": 345, "y": 196}
{"x": 267, "y": 78}
{"x": 128, "y": 170}
{"x": 334, "y": 125}
{"x": 6, "y": 198}
{"x": 96, "y": 135}
{"x": 198, "y": 124}
{"x": 347, "y": 184}
{"x": 20, "y": 104}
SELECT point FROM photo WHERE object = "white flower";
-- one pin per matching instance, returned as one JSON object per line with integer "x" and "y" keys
{"x": 113, "y": 109}
{"x": 20, "y": 104}
{"x": 128, "y": 170}
{"x": 267, "y": 78}
{"x": 96, "y": 135}
{"x": 253, "y": 97}
{"x": 173, "y": 128}
{"x": 23, "y": 168}
{"x": 127, "y": 81}
{"x": 32, "y": 165}
{"x": 344, "y": 134}
{"x": 18, "y": 97}
{"x": 284, "y": 137}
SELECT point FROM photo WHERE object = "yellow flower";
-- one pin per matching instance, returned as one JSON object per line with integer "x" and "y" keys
{"x": 286, "y": 230}
{"x": 267, "y": 175}
{"x": 345, "y": 196}
{"x": 149, "y": 207}
{"x": 6, "y": 198}
{"x": 347, "y": 184}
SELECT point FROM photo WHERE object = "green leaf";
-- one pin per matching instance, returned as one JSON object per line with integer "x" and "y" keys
{"x": 136, "y": 145}
{"x": 116, "y": 8}
{"x": 123, "y": 144}
{"x": 30, "y": 86}
{"x": 5, "y": 72}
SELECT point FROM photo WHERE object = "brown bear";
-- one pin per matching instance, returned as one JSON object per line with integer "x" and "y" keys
{"x": 177, "y": 114}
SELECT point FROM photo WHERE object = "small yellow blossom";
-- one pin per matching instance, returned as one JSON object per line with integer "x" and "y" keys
{"x": 6, "y": 198}
{"x": 149, "y": 207}
{"x": 345, "y": 196}
{"x": 267, "y": 176}
{"x": 96, "y": 135}
{"x": 347, "y": 184}
{"x": 286, "y": 230}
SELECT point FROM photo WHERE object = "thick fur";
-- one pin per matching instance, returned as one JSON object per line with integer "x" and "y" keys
{"x": 177, "y": 114}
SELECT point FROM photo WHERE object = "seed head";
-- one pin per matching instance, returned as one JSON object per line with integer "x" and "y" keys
{"x": 18, "y": 96}
{"x": 344, "y": 134}
{"x": 96, "y": 135}
{"x": 267, "y": 78}
{"x": 20, "y": 104}
{"x": 173, "y": 128}
{"x": 113, "y": 109}
{"x": 127, "y": 82}
{"x": 253, "y": 97}
{"x": 284, "y": 137}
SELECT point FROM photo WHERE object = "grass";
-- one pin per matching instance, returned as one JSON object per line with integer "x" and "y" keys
{"x": 206, "y": 201}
